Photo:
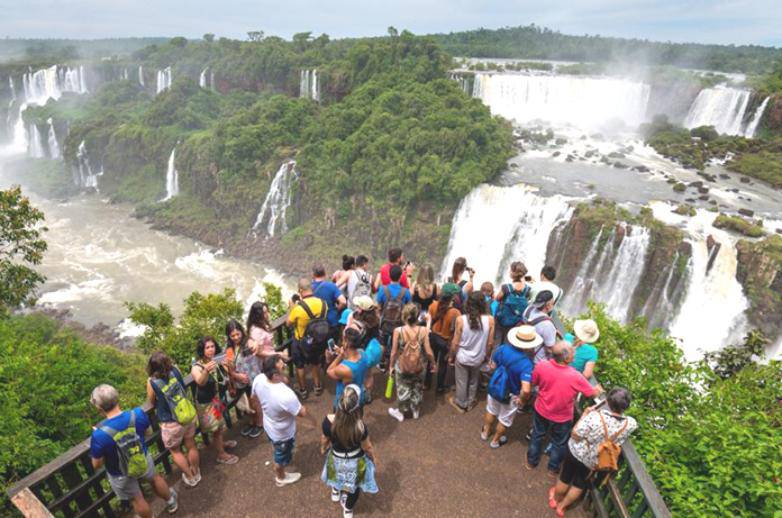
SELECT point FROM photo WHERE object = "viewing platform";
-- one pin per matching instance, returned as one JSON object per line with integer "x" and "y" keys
{"x": 434, "y": 466}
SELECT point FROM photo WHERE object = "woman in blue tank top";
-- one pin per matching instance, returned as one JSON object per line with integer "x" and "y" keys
{"x": 350, "y": 364}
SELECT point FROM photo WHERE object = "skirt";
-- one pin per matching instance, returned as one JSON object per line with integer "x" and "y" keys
{"x": 210, "y": 416}
{"x": 349, "y": 474}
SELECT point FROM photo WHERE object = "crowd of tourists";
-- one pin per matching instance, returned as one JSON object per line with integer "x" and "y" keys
{"x": 454, "y": 337}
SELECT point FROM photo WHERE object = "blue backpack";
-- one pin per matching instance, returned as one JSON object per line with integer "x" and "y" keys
{"x": 499, "y": 385}
{"x": 514, "y": 303}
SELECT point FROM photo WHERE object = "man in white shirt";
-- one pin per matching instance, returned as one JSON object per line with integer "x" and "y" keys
{"x": 280, "y": 409}
{"x": 547, "y": 276}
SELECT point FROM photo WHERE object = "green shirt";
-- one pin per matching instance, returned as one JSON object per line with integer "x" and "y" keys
{"x": 585, "y": 353}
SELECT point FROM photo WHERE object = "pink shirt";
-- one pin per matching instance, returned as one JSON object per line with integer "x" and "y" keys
{"x": 558, "y": 386}
{"x": 263, "y": 338}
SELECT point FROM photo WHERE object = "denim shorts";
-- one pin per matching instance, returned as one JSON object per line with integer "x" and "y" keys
{"x": 283, "y": 451}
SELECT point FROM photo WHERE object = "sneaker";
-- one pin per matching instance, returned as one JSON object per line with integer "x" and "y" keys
{"x": 173, "y": 502}
{"x": 189, "y": 482}
{"x": 197, "y": 477}
{"x": 246, "y": 430}
{"x": 495, "y": 445}
{"x": 347, "y": 513}
{"x": 318, "y": 391}
{"x": 416, "y": 413}
{"x": 303, "y": 394}
{"x": 484, "y": 435}
{"x": 290, "y": 478}
{"x": 396, "y": 414}
{"x": 334, "y": 495}
{"x": 255, "y": 432}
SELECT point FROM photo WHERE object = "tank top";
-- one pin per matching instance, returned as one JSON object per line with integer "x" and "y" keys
{"x": 207, "y": 392}
{"x": 358, "y": 371}
{"x": 162, "y": 409}
{"x": 424, "y": 303}
{"x": 472, "y": 346}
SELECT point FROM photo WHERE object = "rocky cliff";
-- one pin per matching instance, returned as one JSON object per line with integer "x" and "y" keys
{"x": 760, "y": 272}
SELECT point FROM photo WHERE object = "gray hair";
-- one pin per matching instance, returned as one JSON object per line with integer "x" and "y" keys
{"x": 104, "y": 397}
{"x": 562, "y": 351}
{"x": 618, "y": 399}
{"x": 305, "y": 285}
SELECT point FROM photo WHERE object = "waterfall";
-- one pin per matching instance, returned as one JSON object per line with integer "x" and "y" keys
{"x": 277, "y": 200}
{"x": 11, "y": 112}
{"x": 125, "y": 74}
{"x": 212, "y": 79}
{"x": 172, "y": 178}
{"x": 753, "y": 124}
{"x": 163, "y": 79}
{"x": 141, "y": 75}
{"x": 585, "y": 102}
{"x": 722, "y": 107}
{"x": 308, "y": 85}
{"x": 202, "y": 78}
{"x": 54, "y": 147}
{"x": 495, "y": 225}
{"x": 35, "y": 146}
{"x": 84, "y": 176}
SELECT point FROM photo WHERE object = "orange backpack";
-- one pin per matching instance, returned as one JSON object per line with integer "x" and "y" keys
{"x": 608, "y": 451}
{"x": 411, "y": 359}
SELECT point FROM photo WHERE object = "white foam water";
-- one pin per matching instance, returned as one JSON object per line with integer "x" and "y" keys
{"x": 54, "y": 147}
{"x": 172, "y": 177}
{"x": 752, "y": 127}
{"x": 163, "y": 80}
{"x": 722, "y": 107}
{"x": 271, "y": 217}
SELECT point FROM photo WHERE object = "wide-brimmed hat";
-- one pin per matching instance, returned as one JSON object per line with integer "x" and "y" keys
{"x": 586, "y": 330}
{"x": 343, "y": 318}
{"x": 524, "y": 337}
{"x": 542, "y": 298}
{"x": 364, "y": 302}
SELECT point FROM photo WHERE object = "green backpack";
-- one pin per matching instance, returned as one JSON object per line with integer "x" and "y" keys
{"x": 176, "y": 398}
{"x": 132, "y": 459}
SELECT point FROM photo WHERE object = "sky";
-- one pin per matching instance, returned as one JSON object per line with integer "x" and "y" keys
{"x": 756, "y": 22}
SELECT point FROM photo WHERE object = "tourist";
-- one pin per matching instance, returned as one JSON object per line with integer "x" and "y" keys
{"x": 350, "y": 456}
{"x": 442, "y": 321}
{"x": 546, "y": 283}
{"x": 328, "y": 292}
{"x": 513, "y": 297}
{"x": 487, "y": 288}
{"x": 350, "y": 363}
{"x": 383, "y": 278}
{"x": 511, "y": 384}
{"x": 366, "y": 317}
{"x": 585, "y": 356}
{"x": 424, "y": 290}
{"x": 259, "y": 331}
{"x": 246, "y": 366}
{"x": 391, "y": 299}
{"x": 124, "y": 479}
{"x": 597, "y": 424}
{"x": 211, "y": 376}
{"x": 306, "y": 350}
{"x": 537, "y": 315}
{"x": 359, "y": 282}
{"x": 459, "y": 271}
{"x": 410, "y": 345}
{"x": 167, "y": 394}
{"x": 281, "y": 407}
{"x": 471, "y": 345}
{"x": 341, "y": 277}
{"x": 558, "y": 385}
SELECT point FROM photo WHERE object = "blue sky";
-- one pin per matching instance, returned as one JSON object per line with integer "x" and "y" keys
{"x": 719, "y": 21}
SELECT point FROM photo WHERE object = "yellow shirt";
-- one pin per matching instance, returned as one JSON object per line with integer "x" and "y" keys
{"x": 299, "y": 318}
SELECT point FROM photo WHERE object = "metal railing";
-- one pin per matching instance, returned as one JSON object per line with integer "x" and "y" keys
{"x": 69, "y": 486}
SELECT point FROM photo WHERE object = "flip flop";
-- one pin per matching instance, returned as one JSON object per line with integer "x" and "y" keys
{"x": 551, "y": 502}
{"x": 229, "y": 444}
{"x": 233, "y": 459}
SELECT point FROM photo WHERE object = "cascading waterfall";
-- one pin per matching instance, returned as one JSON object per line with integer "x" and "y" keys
{"x": 125, "y": 74}
{"x": 497, "y": 225}
{"x": 271, "y": 217}
{"x": 202, "y": 78}
{"x": 9, "y": 120}
{"x": 753, "y": 124}
{"x": 308, "y": 85}
{"x": 35, "y": 146}
{"x": 54, "y": 147}
{"x": 141, "y": 75}
{"x": 585, "y": 102}
{"x": 172, "y": 177}
{"x": 163, "y": 79}
{"x": 83, "y": 175}
{"x": 722, "y": 107}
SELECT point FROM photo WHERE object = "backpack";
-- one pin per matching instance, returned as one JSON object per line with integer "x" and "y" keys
{"x": 608, "y": 451}
{"x": 175, "y": 396}
{"x": 132, "y": 459}
{"x": 391, "y": 316}
{"x": 317, "y": 331}
{"x": 514, "y": 303}
{"x": 411, "y": 359}
{"x": 499, "y": 385}
{"x": 363, "y": 286}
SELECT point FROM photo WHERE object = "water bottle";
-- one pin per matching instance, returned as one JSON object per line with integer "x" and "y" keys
{"x": 390, "y": 387}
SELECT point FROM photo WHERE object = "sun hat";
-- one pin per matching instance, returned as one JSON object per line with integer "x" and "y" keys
{"x": 364, "y": 302}
{"x": 542, "y": 298}
{"x": 343, "y": 318}
{"x": 524, "y": 337}
{"x": 586, "y": 330}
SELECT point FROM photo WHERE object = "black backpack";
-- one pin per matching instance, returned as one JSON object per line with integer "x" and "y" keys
{"x": 391, "y": 316}
{"x": 317, "y": 331}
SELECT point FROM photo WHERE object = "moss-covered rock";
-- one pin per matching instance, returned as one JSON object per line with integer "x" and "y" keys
{"x": 760, "y": 273}
{"x": 740, "y": 225}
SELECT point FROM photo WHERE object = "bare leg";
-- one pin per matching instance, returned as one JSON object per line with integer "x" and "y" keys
{"x": 182, "y": 462}
{"x": 217, "y": 438}
{"x": 279, "y": 471}
{"x": 257, "y": 418}
{"x": 302, "y": 379}
{"x": 315, "y": 369}
{"x": 571, "y": 496}
{"x": 193, "y": 456}
{"x": 499, "y": 432}
{"x": 141, "y": 506}
{"x": 488, "y": 420}
{"x": 160, "y": 487}
{"x": 559, "y": 490}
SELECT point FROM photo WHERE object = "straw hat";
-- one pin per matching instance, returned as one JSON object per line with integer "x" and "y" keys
{"x": 364, "y": 302}
{"x": 524, "y": 337}
{"x": 586, "y": 330}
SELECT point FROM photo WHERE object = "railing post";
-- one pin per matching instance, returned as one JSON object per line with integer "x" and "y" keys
{"x": 29, "y": 505}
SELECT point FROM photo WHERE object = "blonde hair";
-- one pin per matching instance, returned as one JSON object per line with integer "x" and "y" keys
{"x": 410, "y": 314}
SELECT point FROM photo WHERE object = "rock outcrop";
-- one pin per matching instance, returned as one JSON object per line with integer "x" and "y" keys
{"x": 760, "y": 273}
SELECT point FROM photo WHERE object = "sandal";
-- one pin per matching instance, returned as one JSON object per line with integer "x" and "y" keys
{"x": 560, "y": 513}
{"x": 318, "y": 391}
{"x": 551, "y": 501}
{"x": 231, "y": 459}
{"x": 230, "y": 444}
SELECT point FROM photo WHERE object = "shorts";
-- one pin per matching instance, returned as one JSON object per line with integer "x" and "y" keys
{"x": 127, "y": 488}
{"x": 574, "y": 472}
{"x": 303, "y": 354}
{"x": 504, "y": 412}
{"x": 174, "y": 433}
{"x": 283, "y": 451}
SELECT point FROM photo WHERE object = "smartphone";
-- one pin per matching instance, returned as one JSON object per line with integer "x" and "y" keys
{"x": 331, "y": 344}
{"x": 220, "y": 358}
{"x": 295, "y": 298}
{"x": 528, "y": 278}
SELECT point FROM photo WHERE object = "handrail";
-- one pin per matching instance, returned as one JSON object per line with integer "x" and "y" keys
{"x": 70, "y": 486}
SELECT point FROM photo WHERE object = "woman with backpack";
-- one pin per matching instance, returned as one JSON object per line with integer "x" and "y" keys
{"x": 166, "y": 392}
{"x": 471, "y": 345}
{"x": 441, "y": 322}
{"x": 410, "y": 343}
{"x": 209, "y": 374}
{"x": 594, "y": 447}
{"x": 350, "y": 456}
{"x": 514, "y": 297}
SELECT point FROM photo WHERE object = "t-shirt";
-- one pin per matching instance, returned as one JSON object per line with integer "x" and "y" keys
{"x": 516, "y": 363}
{"x": 585, "y": 353}
{"x": 102, "y": 445}
{"x": 280, "y": 408}
{"x": 328, "y": 292}
{"x": 393, "y": 290}
{"x": 262, "y": 337}
{"x": 558, "y": 385}
{"x": 385, "y": 276}
{"x": 335, "y": 444}
{"x": 299, "y": 318}
{"x": 443, "y": 327}
{"x": 591, "y": 429}
{"x": 537, "y": 287}
{"x": 545, "y": 328}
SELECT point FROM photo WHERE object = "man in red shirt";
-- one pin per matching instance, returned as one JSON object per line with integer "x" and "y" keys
{"x": 395, "y": 256}
{"x": 558, "y": 385}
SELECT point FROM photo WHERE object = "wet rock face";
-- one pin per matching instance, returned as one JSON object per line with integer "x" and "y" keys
{"x": 760, "y": 273}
